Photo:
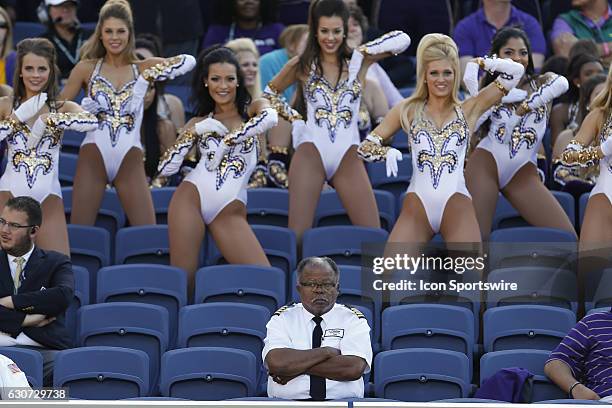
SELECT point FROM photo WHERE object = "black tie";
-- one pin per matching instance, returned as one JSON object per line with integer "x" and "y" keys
{"x": 317, "y": 384}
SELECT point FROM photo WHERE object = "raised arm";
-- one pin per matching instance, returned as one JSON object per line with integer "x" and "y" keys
{"x": 391, "y": 43}
{"x": 77, "y": 80}
{"x": 171, "y": 160}
{"x": 274, "y": 91}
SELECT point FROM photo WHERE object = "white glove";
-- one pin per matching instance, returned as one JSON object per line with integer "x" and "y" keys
{"x": 553, "y": 88}
{"x": 170, "y": 68}
{"x": 210, "y": 125}
{"x": 354, "y": 65}
{"x": 298, "y": 133}
{"x": 90, "y": 105}
{"x": 470, "y": 78}
{"x": 36, "y": 133}
{"x": 222, "y": 150}
{"x": 393, "y": 156}
{"x": 139, "y": 92}
{"x": 394, "y": 42}
{"x": 510, "y": 72}
{"x": 30, "y": 108}
{"x": 515, "y": 95}
{"x": 606, "y": 147}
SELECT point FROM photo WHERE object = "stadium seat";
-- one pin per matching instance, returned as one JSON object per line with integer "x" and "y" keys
{"x": 526, "y": 327}
{"x": 67, "y": 168}
{"x": 102, "y": 373}
{"x": 161, "y": 201}
{"x": 160, "y": 285}
{"x": 535, "y": 285}
{"x": 582, "y": 205}
{"x": 208, "y": 373}
{"x": 143, "y": 244}
{"x": 268, "y": 206}
{"x": 131, "y": 325}
{"x": 507, "y": 217}
{"x": 532, "y": 234}
{"x": 90, "y": 248}
{"x": 222, "y": 324}
{"x": 81, "y": 297}
{"x": 183, "y": 93}
{"x": 603, "y": 293}
{"x": 110, "y": 215}
{"x": 377, "y": 172}
{"x": 429, "y": 326}
{"x": 532, "y": 360}
{"x": 259, "y": 285}
{"x": 29, "y": 361}
{"x": 330, "y": 210}
{"x": 419, "y": 375}
{"x": 26, "y": 29}
{"x": 277, "y": 242}
{"x": 341, "y": 243}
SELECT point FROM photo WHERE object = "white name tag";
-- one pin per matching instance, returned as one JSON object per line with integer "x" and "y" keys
{"x": 339, "y": 333}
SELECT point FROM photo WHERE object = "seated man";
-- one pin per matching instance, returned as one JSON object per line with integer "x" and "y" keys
{"x": 317, "y": 349}
{"x": 36, "y": 286}
{"x": 581, "y": 365}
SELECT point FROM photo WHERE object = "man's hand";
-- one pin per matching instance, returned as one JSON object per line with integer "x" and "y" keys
{"x": 7, "y": 302}
{"x": 37, "y": 320}
{"x": 582, "y": 392}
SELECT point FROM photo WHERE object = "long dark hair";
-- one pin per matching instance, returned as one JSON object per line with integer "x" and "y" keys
{"x": 585, "y": 94}
{"x": 200, "y": 97}
{"x": 42, "y": 48}
{"x": 499, "y": 40}
{"x": 150, "y": 119}
{"x": 573, "y": 72}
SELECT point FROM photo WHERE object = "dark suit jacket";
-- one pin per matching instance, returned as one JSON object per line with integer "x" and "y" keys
{"x": 45, "y": 269}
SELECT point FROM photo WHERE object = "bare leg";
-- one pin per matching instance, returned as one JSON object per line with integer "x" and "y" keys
{"x": 306, "y": 177}
{"x": 89, "y": 184}
{"x": 185, "y": 230}
{"x": 459, "y": 223}
{"x": 597, "y": 224}
{"x": 280, "y": 135}
{"x": 535, "y": 202}
{"x": 235, "y": 238}
{"x": 133, "y": 191}
{"x": 481, "y": 179}
{"x": 53, "y": 234}
{"x": 412, "y": 225}
{"x": 355, "y": 191}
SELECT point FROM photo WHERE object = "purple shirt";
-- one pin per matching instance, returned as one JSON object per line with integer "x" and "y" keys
{"x": 265, "y": 37}
{"x": 587, "y": 350}
{"x": 474, "y": 33}
{"x": 560, "y": 26}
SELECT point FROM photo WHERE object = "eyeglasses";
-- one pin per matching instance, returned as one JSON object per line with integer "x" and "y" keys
{"x": 12, "y": 226}
{"x": 327, "y": 286}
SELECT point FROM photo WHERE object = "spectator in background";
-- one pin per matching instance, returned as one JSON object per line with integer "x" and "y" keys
{"x": 556, "y": 64}
{"x": 64, "y": 32}
{"x": 589, "y": 19}
{"x": 293, "y": 41}
{"x": 475, "y": 32}
{"x": 246, "y": 18}
{"x": 7, "y": 56}
{"x": 163, "y": 114}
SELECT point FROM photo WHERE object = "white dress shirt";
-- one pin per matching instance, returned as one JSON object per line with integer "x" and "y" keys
{"x": 13, "y": 265}
{"x": 343, "y": 328}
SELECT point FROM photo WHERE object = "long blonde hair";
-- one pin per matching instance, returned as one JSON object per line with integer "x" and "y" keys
{"x": 432, "y": 47}
{"x": 247, "y": 45}
{"x": 119, "y": 9}
{"x": 603, "y": 100}
{"x": 7, "y": 47}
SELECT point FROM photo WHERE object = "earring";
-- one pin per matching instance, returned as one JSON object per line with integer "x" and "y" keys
{"x": 205, "y": 85}
{"x": 237, "y": 85}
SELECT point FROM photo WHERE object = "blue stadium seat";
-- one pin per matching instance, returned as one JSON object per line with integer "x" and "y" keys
{"x": 341, "y": 243}
{"x": 598, "y": 310}
{"x": 277, "y": 242}
{"x": 29, "y": 361}
{"x": 400, "y": 139}
{"x": 532, "y": 360}
{"x": 160, "y": 285}
{"x": 131, "y": 325}
{"x": 26, "y": 29}
{"x": 110, "y": 215}
{"x": 71, "y": 141}
{"x": 259, "y": 285}
{"x": 183, "y": 93}
{"x": 582, "y": 205}
{"x": 526, "y": 327}
{"x": 102, "y": 373}
{"x": 81, "y": 297}
{"x": 90, "y": 248}
{"x": 535, "y": 285}
{"x": 419, "y": 375}
{"x": 161, "y": 201}
{"x": 507, "y": 217}
{"x": 377, "y": 172}
{"x": 143, "y": 244}
{"x": 268, "y": 206}
{"x": 429, "y": 326}
{"x": 369, "y": 302}
{"x": 67, "y": 168}
{"x": 603, "y": 293}
{"x": 472, "y": 401}
{"x": 532, "y": 234}
{"x": 330, "y": 210}
{"x": 208, "y": 373}
{"x": 223, "y": 324}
